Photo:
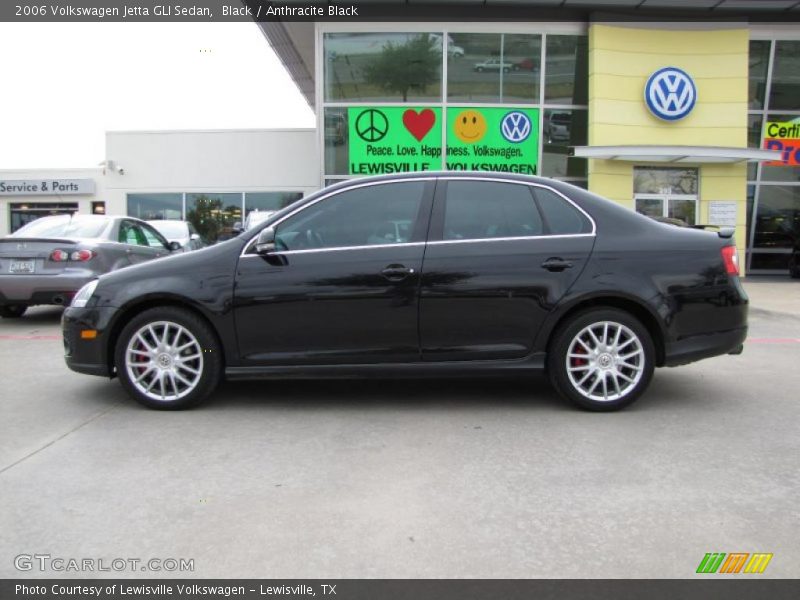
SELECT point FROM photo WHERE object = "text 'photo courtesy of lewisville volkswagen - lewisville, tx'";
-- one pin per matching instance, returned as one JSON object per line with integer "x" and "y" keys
{"x": 414, "y": 299}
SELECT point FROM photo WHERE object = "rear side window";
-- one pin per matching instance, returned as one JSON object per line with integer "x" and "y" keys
{"x": 486, "y": 209}
{"x": 560, "y": 216}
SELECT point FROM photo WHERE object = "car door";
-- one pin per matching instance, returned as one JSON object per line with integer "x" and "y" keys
{"x": 499, "y": 257}
{"x": 137, "y": 249}
{"x": 343, "y": 283}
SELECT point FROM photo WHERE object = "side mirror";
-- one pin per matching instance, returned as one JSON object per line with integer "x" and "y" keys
{"x": 266, "y": 241}
{"x": 194, "y": 237}
{"x": 237, "y": 227}
{"x": 174, "y": 246}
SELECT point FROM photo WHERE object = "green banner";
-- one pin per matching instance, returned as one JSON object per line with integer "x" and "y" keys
{"x": 394, "y": 139}
{"x": 493, "y": 139}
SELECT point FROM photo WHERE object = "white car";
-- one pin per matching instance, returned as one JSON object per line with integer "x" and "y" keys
{"x": 182, "y": 232}
{"x": 493, "y": 64}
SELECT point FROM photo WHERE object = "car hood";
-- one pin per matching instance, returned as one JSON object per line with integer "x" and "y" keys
{"x": 176, "y": 265}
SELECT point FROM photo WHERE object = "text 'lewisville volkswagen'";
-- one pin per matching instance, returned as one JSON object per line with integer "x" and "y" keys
{"x": 421, "y": 275}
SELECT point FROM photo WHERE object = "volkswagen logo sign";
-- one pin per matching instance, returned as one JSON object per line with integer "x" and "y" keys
{"x": 516, "y": 127}
{"x": 670, "y": 93}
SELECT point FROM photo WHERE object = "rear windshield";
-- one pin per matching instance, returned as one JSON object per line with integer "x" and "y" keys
{"x": 64, "y": 226}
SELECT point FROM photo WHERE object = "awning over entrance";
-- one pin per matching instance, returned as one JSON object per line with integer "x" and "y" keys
{"x": 676, "y": 154}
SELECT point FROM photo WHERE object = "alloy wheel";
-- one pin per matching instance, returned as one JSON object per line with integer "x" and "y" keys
{"x": 164, "y": 361}
{"x": 605, "y": 361}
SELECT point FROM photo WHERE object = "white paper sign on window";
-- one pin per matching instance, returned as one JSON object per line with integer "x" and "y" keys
{"x": 722, "y": 213}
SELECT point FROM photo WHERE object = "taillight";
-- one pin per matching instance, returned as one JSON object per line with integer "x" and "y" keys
{"x": 82, "y": 255}
{"x": 60, "y": 255}
{"x": 731, "y": 259}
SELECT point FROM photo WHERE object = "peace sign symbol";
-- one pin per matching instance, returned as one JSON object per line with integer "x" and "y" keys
{"x": 371, "y": 125}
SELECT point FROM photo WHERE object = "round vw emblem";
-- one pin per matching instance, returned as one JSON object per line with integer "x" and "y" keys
{"x": 670, "y": 93}
{"x": 516, "y": 127}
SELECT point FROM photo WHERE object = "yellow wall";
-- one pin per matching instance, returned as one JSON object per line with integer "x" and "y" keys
{"x": 621, "y": 58}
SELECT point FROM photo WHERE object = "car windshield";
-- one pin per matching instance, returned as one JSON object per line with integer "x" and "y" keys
{"x": 79, "y": 226}
{"x": 170, "y": 229}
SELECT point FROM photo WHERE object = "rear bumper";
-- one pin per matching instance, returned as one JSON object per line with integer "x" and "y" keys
{"x": 89, "y": 356}
{"x": 698, "y": 347}
{"x": 42, "y": 289}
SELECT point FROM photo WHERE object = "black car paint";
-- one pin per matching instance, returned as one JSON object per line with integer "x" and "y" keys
{"x": 339, "y": 317}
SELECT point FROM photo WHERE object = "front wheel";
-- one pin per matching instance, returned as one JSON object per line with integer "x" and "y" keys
{"x": 168, "y": 358}
{"x": 601, "y": 359}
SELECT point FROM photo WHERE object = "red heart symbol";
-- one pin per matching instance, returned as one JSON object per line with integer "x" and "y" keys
{"x": 419, "y": 124}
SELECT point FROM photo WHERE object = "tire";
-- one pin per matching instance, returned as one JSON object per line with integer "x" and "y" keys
{"x": 12, "y": 311}
{"x": 576, "y": 378}
{"x": 159, "y": 374}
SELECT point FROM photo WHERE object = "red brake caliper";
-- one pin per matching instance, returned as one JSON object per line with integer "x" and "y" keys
{"x": 578, "y": 362}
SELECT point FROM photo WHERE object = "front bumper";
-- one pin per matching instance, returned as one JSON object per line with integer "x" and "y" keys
{"x": 89, "y": 356}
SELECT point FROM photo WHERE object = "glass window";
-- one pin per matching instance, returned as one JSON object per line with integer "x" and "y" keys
{"x": 337, "y": 155}
{"x": 23, "y": 213}
{"x": 759, "y": 60}
{"x": 214, "y": 215}
{"x": 567, "y": 70}
{"x": 754, "y": 131}
{"x": 491, "y": 67}
{"x": 367, "y": 216}
{"x": 652, "y": 207}
{"x": 80, "y": 226}
{"x": 269, "y": 201}
{"x": 150, "y": 207}
{"x": 154, "y": 240}
{"x": 781, "y": 172}
{"x": 657, "y": 180}
{"x": 777, "y": 222}
{"x": 131, "y": 233}
{"x": 785, "y": 90}
{"x": 483, "y": 209}
{"x": 560, "y": 216}
{"x": 682, "y": 209}
{"x": 384, "y": 67}
{"x": 561, "y": 129}
{"x": 751, "y": 194}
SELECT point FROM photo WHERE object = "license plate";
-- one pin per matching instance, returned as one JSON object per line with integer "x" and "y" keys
{"x": 22, "y": 266}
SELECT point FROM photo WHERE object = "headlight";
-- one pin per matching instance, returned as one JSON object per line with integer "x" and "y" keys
{"x": 82, "y": 297}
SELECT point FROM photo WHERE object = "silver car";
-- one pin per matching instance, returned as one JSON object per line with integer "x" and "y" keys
{"x": 49, "y": 259}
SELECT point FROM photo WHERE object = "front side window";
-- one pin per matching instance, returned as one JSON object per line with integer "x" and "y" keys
{"x": 485, "y": 209}
{"x": 131, "y": 233}
{"x": 366, "y": 216}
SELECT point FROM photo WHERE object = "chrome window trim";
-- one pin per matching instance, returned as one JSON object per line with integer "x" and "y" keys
{"x": 531, "y": 184}
{"x": 511, "y": 239}
{"x": 248, "y": 246}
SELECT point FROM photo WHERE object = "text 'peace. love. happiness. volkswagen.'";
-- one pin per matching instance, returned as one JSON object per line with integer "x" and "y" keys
{"x": 435, "y": 274}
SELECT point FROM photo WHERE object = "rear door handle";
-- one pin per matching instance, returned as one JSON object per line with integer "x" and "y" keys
{"x": 556, "y": 264}
{"x": 397, "y": 272}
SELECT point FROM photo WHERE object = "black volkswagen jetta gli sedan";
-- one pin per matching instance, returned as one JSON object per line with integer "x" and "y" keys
{"x": 422, "y": 275}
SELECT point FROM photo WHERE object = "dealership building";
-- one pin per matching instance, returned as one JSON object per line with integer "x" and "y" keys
{"x": 690, "y": 115}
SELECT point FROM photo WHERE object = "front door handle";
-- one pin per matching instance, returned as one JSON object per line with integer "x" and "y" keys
{"x": 556, "y": 264}
{"x": 397, "y": 272}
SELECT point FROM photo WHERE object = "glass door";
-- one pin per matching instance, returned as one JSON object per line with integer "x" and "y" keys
{"x": 666, "y": 193}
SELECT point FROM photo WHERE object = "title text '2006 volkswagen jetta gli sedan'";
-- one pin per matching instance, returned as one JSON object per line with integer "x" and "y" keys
{"x": 421, "y": 275}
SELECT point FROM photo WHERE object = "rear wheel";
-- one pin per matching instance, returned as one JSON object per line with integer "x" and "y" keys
{"x": 12, "y": 311}
{"x": 601, "y": 360}
{"x": 168, "y": 358}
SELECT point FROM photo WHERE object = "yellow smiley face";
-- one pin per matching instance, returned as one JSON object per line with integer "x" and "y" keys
{"x": 469, "y": 126}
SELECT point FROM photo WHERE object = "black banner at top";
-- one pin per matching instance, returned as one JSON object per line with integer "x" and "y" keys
{"x": 370, "y": 11}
